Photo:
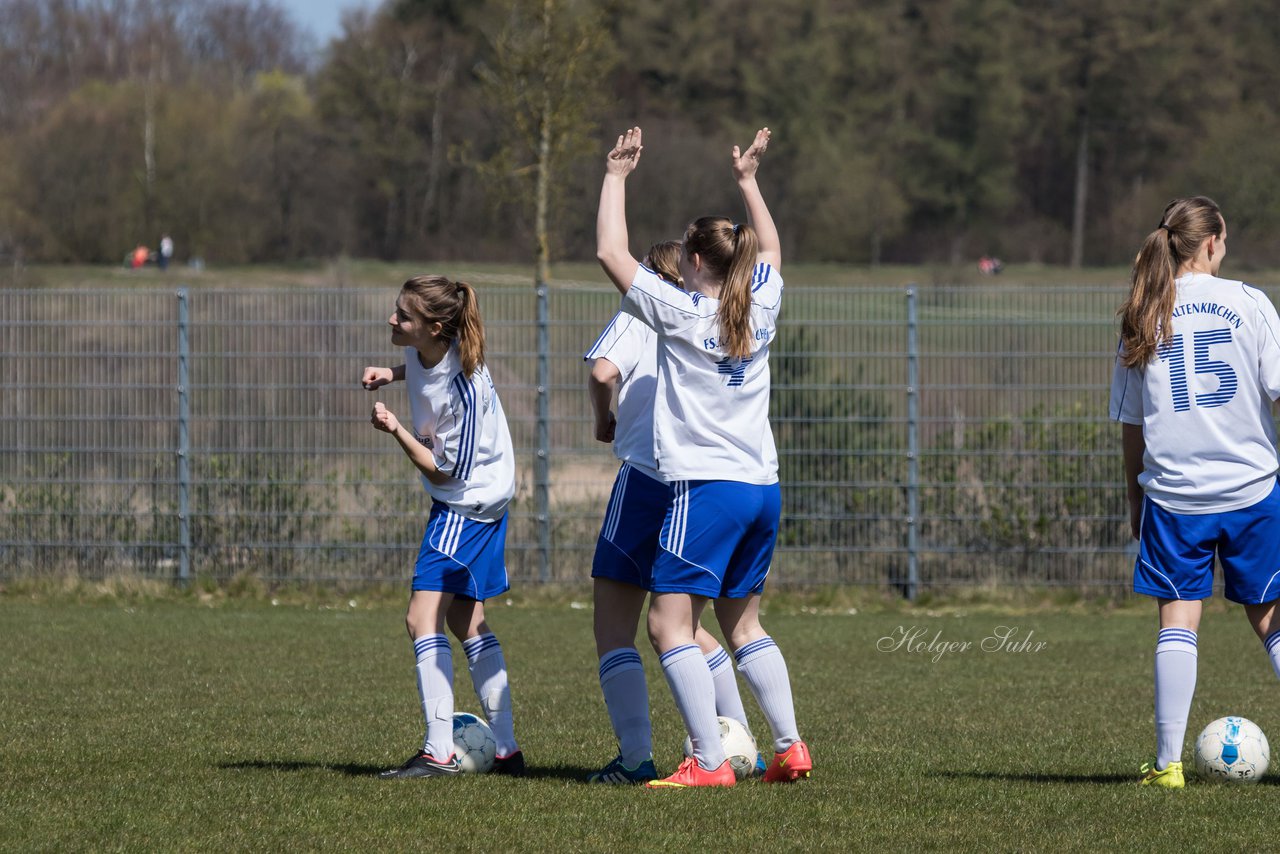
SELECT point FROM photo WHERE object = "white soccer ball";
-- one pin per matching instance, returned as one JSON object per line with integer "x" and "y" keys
{"x": 1232, "y": 750}
{"x": 739, "y": 747}
{"x": 474, "y": 743}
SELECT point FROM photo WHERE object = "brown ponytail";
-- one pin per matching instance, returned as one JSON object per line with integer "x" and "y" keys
{"x": 729, "y": 253}
{"x": 664, "y": 259}
{"x": 470, "y": 329}
{"x": 453, "y": 305}
{"x": 1146, "y": 317}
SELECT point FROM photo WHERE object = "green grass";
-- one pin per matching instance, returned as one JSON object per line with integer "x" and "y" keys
{"x": 204, "y": 723}
{"x": 357, "y": 272}
{"x": 346, "y": 272}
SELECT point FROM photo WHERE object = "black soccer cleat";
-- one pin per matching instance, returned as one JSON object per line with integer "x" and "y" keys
{"x": 512, "y": 766}
{"x": 423, "y": 764}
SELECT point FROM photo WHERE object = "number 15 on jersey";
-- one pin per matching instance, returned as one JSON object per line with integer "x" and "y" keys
{"x": 1174, "y": 353}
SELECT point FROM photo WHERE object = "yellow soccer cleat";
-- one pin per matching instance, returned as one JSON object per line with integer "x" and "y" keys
{"x": 1170, "y": 778}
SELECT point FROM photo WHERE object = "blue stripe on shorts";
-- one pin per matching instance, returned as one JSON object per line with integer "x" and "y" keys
{"x": 628, "y": 538}
{"x": 1176, "y": 552}
{"x": 718, "y": 538}
{"x": 462, "y": 556}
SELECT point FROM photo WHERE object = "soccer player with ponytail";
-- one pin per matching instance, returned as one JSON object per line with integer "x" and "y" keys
{"x": 713, "y": 444}
{"x": 624, "y": 363}
{"x": 459, "y": 441}
{"x": 1196, "y": 373}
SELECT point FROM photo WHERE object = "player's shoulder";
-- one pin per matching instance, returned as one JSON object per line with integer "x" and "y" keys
{"x": 466, "y": 384}
{"x": 1252, "y": 296}
{"x": 654, "y": 284}
{"x": 766, "y": 284}
{"x": 623, "y": 333}
{"x": 765, "y": 273}
{"x": 1251, "y": 291}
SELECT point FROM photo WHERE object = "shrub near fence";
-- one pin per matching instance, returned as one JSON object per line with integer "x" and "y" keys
{"x": 981, "y": 454}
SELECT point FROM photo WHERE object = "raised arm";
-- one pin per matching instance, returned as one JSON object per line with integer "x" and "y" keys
{"x": 611, "y": 220}
{"x": 745, "y": 164}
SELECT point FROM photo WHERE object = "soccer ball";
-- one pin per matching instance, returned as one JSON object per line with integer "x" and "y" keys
{"x": 474, "y": 743}
{"x": 739, "y": 747}
{"x": 1232, "y": 750}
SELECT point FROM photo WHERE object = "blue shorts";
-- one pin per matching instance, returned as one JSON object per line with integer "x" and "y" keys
{"x": 717, "y": 539}
{"x": 462, "y": 556}
{"x": 1176, "y": 552}
{"x": 629, "y": 536}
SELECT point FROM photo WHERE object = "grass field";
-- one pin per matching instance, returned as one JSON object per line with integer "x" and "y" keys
{"x": 180, "y": 723}
{"x": 347, "y": 272}
{"x": 354, "y": 272}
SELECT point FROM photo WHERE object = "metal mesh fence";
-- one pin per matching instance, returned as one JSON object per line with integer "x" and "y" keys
{"x": 950, "y": 435}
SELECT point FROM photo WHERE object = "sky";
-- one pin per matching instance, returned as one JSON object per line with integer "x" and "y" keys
{"x": 321, "y": 16}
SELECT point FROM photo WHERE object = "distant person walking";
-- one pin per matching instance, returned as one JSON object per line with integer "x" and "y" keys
{"x": 1196, "y": 374}
{"x": 166, "y": 252}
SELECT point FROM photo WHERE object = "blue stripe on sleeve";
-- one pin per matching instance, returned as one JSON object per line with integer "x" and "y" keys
{"x": 467, "y": 438}
{"x": 591, "y": 351}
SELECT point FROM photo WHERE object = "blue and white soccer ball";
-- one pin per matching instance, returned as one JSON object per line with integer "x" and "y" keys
{"x": 474, "y": 743}
{"x": 739, "y": 747}
{"x": 1232, "y": 750}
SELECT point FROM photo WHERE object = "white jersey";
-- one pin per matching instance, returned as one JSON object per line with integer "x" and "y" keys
{"x": 1204, "y": 402}
{"x": 460, "y": 420}
{"x": 711, "y": 411}
{"x": 633, "y": 348}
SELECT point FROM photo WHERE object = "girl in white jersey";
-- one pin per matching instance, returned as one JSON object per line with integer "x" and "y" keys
{"x": 1196, "y": 373}
{"x": 625, "y": 360}
{"x": 713, "y": 444}
{"x": 459, "y": 442}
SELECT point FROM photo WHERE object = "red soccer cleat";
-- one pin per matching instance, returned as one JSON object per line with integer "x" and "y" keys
{"x": 789, "y": 765}
{"x": 691, "y": 774}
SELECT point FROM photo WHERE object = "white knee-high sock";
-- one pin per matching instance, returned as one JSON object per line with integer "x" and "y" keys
{"x": 489, "y": 678}
{"x": 1176, "y": 658}
{"x": 1272, "y": 643}
{"x": 695, "y": 694}
{"x": 728, "y": 699}
{"x": 435, "y": 689}
{"x": 626, "y": 696}
{"x": 762, "y": 665}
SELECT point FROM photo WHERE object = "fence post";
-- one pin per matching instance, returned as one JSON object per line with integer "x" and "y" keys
{"x": 184, "y": 440}
{"x": 913, "y": 446}
{"x": 542, "y": 457}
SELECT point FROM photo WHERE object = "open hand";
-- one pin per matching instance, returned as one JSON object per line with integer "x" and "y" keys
{"x": 625, "y": 155}
{"x": 745, "y": 163}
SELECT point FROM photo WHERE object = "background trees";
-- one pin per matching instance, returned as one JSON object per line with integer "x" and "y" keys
{"x": 905, "y": 130}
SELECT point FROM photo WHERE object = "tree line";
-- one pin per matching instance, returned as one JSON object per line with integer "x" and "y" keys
{"x": 905, "y": 131}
